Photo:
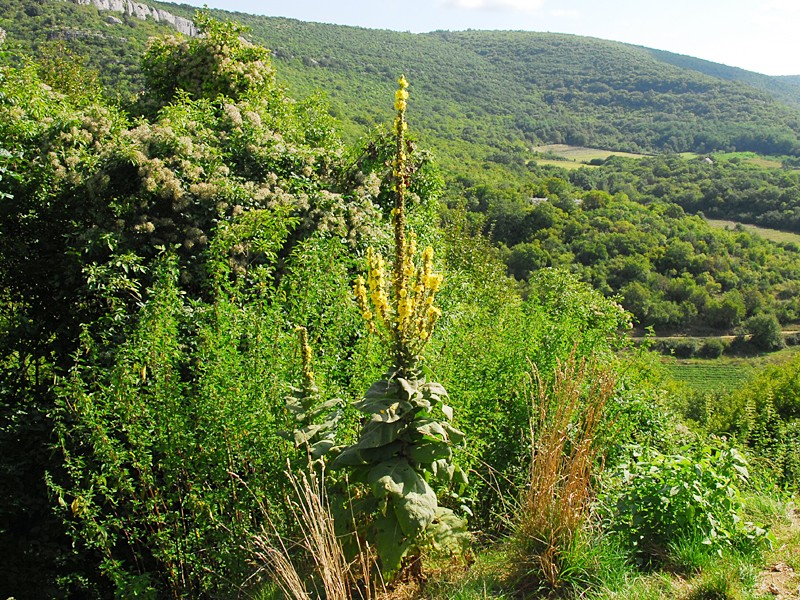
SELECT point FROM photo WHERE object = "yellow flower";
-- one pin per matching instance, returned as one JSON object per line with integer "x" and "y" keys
{"x": 402, "y": 81}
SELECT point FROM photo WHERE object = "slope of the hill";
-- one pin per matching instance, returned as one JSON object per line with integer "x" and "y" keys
{"x": 112, "y": 42}
{"x": 784, "y": 88}
{"x": 505, "y": 88}
{"x": 481, "y": 95}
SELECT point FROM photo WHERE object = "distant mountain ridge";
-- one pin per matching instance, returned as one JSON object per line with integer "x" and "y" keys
{"x": 479, "y": 96}
{"x": 786, "y": 88}
{"x": 517, "y": 89}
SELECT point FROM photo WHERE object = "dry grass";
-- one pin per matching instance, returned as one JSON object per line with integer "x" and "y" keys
{"x": 330, "y": 575}
{"x": 567, "y": 417}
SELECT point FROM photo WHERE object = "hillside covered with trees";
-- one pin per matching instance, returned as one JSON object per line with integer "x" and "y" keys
{"x": 500, "y": 92}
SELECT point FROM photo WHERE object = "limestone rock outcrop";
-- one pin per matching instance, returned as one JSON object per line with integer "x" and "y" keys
{"x": 143, "y": 11}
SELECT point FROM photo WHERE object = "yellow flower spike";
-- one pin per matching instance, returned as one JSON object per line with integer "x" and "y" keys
{"x": 360, "y": 291}
{"x": 402, "y": 81}
{"x": 305, "y": 352}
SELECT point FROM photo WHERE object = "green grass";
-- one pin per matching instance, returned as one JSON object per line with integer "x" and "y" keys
{"x": 774, "y": 235}
{"x": 766, "y": 162}
{"x": 710, "y": 375}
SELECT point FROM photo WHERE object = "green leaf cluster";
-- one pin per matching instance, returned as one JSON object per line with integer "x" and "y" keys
{"x": 658, "y": 501}
{"x": 402, "y": 451}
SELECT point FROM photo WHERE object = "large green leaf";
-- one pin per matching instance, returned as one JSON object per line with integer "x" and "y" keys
{"x": 349, "y": 457}
{"x": 392, "y": 544}
{"x": 408, "y": 388}
{"x": 321, "y": 448}
{"x": 386, "y": 410}
{"x": 430, "y": 428}
{"x": 447, "y": 411}
{"x": 456, "y": 436}
{"x": 304, "y": 435}
{"x": 428, "y": 451}
{"x": 416, "y": 511}
{"x": 322, "y": 408}
{"x": 354, "y": 456}
{"x": 380, "y": 454}
{"x": 395, "y": 477}
{"x": 383, "y": 389}
{"x": 434, "y": 391}
{"x": 443, "y": 470}
{"x": 413, "y": 499}
{"x": 447, "y": 532}
{"x": 378, "y": 433}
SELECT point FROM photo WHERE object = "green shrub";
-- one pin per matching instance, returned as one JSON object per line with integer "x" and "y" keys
{"x": 765, "y": 331}
{"x": 764, "y": 414}
{"x": 658, "y": 502}
{"x": 712, "y": 348}
{"x": 170, "y": 452}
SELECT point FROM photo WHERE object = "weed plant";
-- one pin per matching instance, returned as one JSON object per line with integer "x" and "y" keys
{"x": 567, "y": 417}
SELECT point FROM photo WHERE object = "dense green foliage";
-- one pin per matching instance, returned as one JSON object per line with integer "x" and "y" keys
{"x": 672, "y": 271}
{"x": 719, "y": 188}
{"x": 763, "y": 414}
{"x": 665, "y": 500}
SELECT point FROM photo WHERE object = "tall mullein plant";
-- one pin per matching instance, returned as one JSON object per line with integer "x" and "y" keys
{"x": 404, "y": 447}
{"x": 315, "y": 421}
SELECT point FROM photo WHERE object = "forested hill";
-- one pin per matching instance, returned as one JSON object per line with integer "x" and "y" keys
{"x": 786, "y": 88}
{"x": 507, "y": 88}
{"x": 481, "y": 95}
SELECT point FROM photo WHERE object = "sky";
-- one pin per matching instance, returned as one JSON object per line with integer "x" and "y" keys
{"x": 757, "y": 35}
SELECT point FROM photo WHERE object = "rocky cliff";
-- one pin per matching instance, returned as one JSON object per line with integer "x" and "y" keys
{"x": 142, "y": 11}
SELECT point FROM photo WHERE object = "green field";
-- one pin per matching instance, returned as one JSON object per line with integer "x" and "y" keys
{"x": 713, "y": 375}
{"x": 577, "y": 155}
{"x": 710, "y": 375}
{"x": 766, "y": 162}
{"x": 564, "y": 164}
{"x": 774, "y": 235}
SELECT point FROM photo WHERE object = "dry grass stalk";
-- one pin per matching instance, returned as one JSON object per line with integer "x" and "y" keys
{"x": 338, "y": 578}
{"x": 566, "y": 422}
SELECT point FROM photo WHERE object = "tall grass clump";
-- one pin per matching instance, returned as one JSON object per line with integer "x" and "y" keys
{"x": 328, "y": 573}
{"x": 566, "y": 454}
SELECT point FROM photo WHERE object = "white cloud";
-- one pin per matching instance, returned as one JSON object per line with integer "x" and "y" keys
{"x": 561, "y": 13}
{"x": 515, "y": 5}
{"x": 786, "y": 6}
{"x": 777, "y": 12}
